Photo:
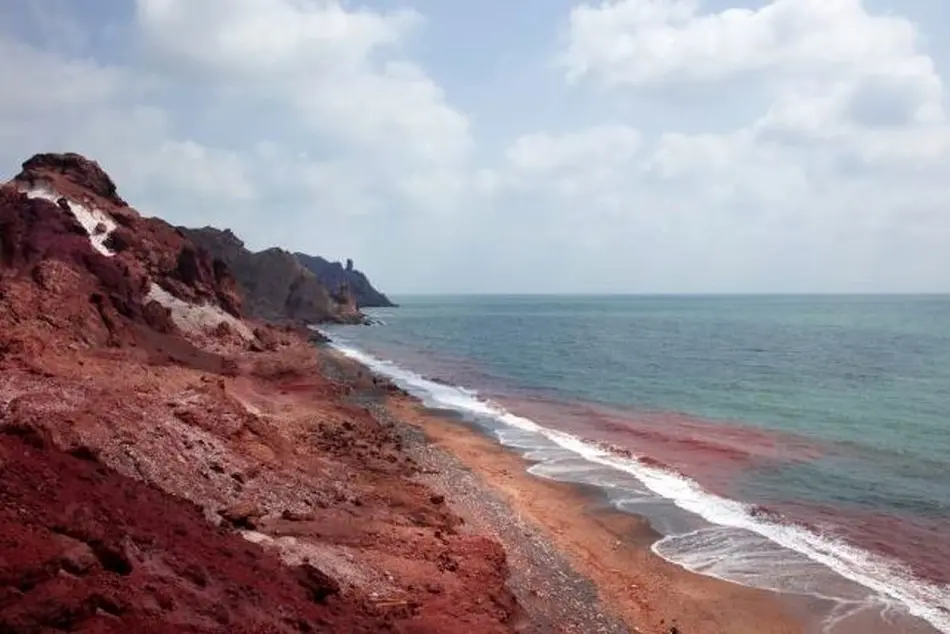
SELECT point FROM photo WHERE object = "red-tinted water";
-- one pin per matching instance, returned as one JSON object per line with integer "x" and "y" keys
{"x": 718, "y": 454}
{"x": 923, "y": 544}
{"x": 709, "y": 452}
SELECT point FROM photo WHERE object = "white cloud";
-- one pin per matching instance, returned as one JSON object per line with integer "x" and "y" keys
{"x": 286, "y": 38}
{"x": 852, "y": 102}
{"x": 830, "y": 66}
{"x": 395, "y": 108}
{"x": 542, "y": 152}
{"x": 341, "y": 70}
{"x": 833, "y": 71}
{"x": 802, "y": 145}
{"x": 641, "y": 42}
{"x": 37, "y": 81}
{"x": 195, "y": 170}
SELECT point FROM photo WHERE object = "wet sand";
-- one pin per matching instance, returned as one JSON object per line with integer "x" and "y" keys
{"x": 609, "y": 548}
{"x": 612, "y": 549}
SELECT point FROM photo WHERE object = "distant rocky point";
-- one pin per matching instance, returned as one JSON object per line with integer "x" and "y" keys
{"x": 61, "y": 209}
{"x": 336, "y": 275}
{"x": 275, "y": 285}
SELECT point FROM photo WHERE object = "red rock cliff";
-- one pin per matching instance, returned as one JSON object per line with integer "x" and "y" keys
{"x": 166, "y": 467}
{"x": 71, "y": 249}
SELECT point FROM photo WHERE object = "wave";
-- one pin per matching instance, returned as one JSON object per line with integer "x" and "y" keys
{"x": 739, "y": 544}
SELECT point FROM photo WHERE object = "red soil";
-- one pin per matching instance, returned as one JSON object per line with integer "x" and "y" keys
{"x": 138, "y": 465}
{"x": 85, "y": 549}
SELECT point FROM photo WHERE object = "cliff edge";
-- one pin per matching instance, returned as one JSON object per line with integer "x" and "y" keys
{"x": 274, "y": 284}
{"x": 87, "y": 268}
{"x": 335, "y": 275}
{"x": 169, "y": 465}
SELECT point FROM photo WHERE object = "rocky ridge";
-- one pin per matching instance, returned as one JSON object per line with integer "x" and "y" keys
{"x": 335, "y": 275}
{"x": 98, "y": 273}
{"x": 169, "y": 465}
{"x": 275, "y": 285}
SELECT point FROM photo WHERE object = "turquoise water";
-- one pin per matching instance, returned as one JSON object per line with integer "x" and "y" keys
{"x": 831, "y": 412}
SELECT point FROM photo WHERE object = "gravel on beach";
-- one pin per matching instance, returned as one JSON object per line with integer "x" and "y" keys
{"x": 555, "y": 598}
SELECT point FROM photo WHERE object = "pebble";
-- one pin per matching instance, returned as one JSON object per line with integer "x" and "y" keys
{"x": 554, "y": 597}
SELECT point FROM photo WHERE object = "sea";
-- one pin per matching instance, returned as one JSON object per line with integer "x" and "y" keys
{"x": 799, "y": 444}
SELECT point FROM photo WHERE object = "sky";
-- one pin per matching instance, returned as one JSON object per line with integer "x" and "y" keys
{"x": 544, "y": 146}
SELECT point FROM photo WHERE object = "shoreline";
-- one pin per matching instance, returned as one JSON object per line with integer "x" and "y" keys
{"x": 608, "y": 548}
{"x": 850, "y": 612}
{"x": 611, "y": 548}
{"x": 203, "y": 471}
{"x": 370, "y": 512}
{"x": 242, "y": 496}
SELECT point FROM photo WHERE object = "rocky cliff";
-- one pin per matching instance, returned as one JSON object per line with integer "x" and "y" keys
{"x": 73, "y": 252}
{"x": 168, "y": 465}
{"x": 274, "y": 284}
{"x": 335, "y": 275}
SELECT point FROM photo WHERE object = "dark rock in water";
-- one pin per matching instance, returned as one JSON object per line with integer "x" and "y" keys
{"x": 318, "y": 337}
{"x": 334, "y": 274}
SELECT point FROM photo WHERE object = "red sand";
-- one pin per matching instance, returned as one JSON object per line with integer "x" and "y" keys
{"x": 610, "y": 548}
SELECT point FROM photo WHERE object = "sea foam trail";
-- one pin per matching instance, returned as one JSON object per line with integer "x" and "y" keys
{"x": 890, "y": 580}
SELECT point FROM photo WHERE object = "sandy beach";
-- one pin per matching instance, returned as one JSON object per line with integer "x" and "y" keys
{"x": 204, "y": 471}
{"x": 607, "y": 578}
{"x": 434, "y": 317}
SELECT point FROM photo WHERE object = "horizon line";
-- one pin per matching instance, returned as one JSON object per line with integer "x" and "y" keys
{"x": 676, "y": 294}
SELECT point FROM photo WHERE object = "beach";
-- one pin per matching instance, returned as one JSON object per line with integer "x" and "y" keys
{"x": 390, "y": 515}
{"x": 605, "y": 578}
{"x": 304, "y": 494}
{"x": 609, "y": 548}
{"x": 793, "y": 446}
{"x": 169, "y": 463}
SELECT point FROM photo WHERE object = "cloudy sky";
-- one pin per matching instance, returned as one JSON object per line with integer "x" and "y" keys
{"x": 512, "y": 146}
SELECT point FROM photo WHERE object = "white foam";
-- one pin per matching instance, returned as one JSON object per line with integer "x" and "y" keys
{"x": 89, "y": 217}
{"x": 748, "y": 558}
{"x": 889, "y": 579}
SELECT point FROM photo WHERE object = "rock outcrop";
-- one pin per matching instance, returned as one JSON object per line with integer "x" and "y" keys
{"x": 335, "y": 275}
{"x": 274, "y": 284}
{"x": 168, "y": 466}
{"x": 74, "y": 252}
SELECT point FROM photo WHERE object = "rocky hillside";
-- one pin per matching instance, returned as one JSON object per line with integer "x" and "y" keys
{"x": 274, "y": 284}
{"x": 334, "y": 275}
{"x": 168, "y": 465}
{"x": 73, "y": 252}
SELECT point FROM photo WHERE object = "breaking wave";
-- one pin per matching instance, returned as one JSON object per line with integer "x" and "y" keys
{"x": 702, "y": 532}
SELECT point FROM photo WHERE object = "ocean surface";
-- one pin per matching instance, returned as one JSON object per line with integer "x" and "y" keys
{"x": 797, "y": 444}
